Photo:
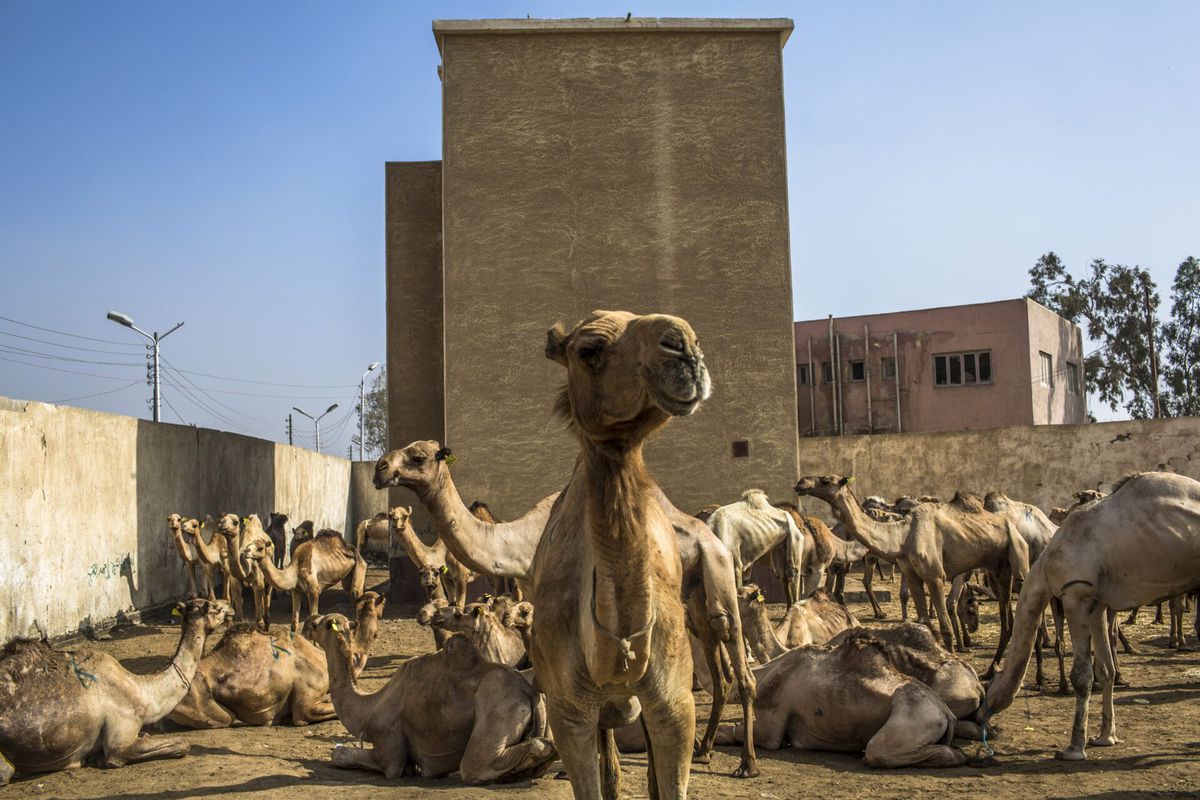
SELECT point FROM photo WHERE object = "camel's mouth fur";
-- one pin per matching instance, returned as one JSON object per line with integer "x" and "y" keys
{"x": 682, "y": 385}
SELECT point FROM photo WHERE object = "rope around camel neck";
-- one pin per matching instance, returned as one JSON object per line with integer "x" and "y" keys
{"x": 624, "y": 644}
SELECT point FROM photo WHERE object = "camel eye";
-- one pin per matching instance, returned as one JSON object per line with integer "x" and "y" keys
{"x": 590, "y": 351}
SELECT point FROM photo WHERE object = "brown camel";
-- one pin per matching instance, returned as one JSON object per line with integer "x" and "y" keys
{"x": 175, "y": 526}
{"x": 607, "y": 576}
{"x": 495, "y": 641}
{"x": 238, "y": 534}
{"x": 316, "y": 565}
{"x": 751, "y": 528}
{"x": 276, "y": 531}
{"x": 211, "y": 558}
{"x": 371, "y": 535}
{"x": 500, "y": 584}
{"x": 520, "y": 618}
{"x": 302, "y": 533}
{"x": 935, "y": 541}
{"x": 1097, "y": 561}
{"x": 815, "y": 620}
{"x": 60, "y": 708}
{"x": 425, "y": 617}
{"x": 508, "y": 549}
{"x": 851, "y": 698}
{"x": 434, "y": 563}
{"x": 256, "y": 678}
{"x": 464, "y": 714}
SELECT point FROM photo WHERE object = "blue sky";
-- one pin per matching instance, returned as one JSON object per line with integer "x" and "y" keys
{"x": 222, "y": 163}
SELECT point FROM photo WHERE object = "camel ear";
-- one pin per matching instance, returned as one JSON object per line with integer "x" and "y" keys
{"x": 177, "y": 611}
{"x": 555, "y": 341}
{"x": 478, "y": 611}
{"x": 409, "y": 510}
{"x": 845, "y": 481}
{"x": 379, "y": 601}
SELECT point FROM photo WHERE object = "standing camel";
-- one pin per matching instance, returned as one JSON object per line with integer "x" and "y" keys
{"x": 316, "y": 565}
{"x": 213, "y": 557}
{"x": 935, "y": 541}
{"x": 175, "y": 525}
{"x": 751, "y": 527}
{"x": 1098, "y": 561}
{"x": 237, "y": 536}
{"x": 437, "y": 567}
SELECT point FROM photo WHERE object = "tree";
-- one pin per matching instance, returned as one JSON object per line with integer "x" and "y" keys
{"x": 1182, "y": 341}
{"x": 1111, "y": 299}
{"x": 375, "y": 419}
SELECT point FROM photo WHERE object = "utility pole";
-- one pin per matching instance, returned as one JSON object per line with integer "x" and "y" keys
{"x": 156, "y": 397}
{"x": 288, "y": 422}
{"x": 362, "y": 405}
{"x": 1150, "y": 339}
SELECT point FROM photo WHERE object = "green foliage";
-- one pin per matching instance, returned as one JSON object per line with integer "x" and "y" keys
{"x": 1182, "y": 341}
{"x": 375, "y": 419}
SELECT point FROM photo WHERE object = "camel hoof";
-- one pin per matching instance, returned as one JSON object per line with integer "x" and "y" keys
{"x": 561, "y": 775}
{"x": 880, "y": 615}
{"x": 702, "y": 758}
{"x": 746, "y": 770}
{"x": 1071, "y": 754}
{"x": 982, "y": 761}
{"x": 1103, "y": 741}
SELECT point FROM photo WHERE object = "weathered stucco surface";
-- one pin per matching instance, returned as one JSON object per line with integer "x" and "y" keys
{"x": 85, "y": 497}
{"x": 639, "y": 170}
{"x": 1041, "y": 464}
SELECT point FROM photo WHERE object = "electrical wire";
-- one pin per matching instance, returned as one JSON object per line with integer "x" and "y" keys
{"x": 67, "y": 371}
{"x": 66, "y": 346}
{"x": 64, "y": 333}
{"x": 20, "y": 351}
{"x": 193, "y": 384}
{"x": 97, "y": 394}
{"x": 273, "y": 383}
{"x": 178, "y": 416}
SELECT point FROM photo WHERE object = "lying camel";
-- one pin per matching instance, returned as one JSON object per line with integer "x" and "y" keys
{"x": 495, "y": 641}
{"x": 61, "y": 708}
{"x": 1098, "y": 561}
{"x": 520, "y": 618}
{"x": 813, "y": 621}
{"x": 850, "y": 698}
{"x": 316, "y": 565}
{"x": 255, "y": 678}
{"x": 464, "y": 714}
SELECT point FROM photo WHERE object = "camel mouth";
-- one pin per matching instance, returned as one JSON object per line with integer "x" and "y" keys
{"x": 388, "y": 482}
{"x": 682, "y": 385}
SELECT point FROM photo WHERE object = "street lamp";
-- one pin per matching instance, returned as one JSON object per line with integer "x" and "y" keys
{"x": 124, "y": 319}
{"x": 316, "y": 420}
{"x": 362, "y": 405}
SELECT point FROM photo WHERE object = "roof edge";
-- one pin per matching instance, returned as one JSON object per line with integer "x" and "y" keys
{"x": 441, "y": 27}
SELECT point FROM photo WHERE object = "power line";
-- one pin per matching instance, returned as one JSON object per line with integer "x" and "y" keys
{"x": 176, "y": 413}
{"x": 66, "y": 346}
{"x": 64, "y": 333}
{"x": 97, "y": 394}
{"x": 273, "y": 383}
{"x": 67, "y": 371}
{"x": 172, "y": 368}
{"x": 4, "y": 348}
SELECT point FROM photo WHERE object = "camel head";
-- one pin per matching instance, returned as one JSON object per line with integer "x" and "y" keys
{"x": 822, "y": 487}
{"x": 481, "y": 511}
{"x": 367, "y": 611}
{"x": 1058, "y": 514}
{"x": 428, "y": 611}
{"x": 398, "y": 516}
{"x": 210, "y": 614}
{"x": 276, "y": 520}
{"x": 430, "y": 575}
{"x": 1089, "y": 495}
{"x": 628, "y": 374}
{"x": 229, "y": 525}
{"x": 191, "y": 527}
{"x": 330, "y": 631}
{"x": 255, "y": 551}
{"x": 174, "y": 522}
{"x": 750, "y": 598}
{"x": 417, "y": 466}
{"x": 968, "y": 607}
{"x": 519, "y": 616}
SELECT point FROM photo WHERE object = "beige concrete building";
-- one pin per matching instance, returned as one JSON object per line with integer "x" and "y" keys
{"x": 986, "y": 365}
{"x": 592, "y": 164}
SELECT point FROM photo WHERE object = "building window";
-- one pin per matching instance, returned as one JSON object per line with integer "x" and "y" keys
{"x": 827, "y": 372}
{"x": 887, "y": 368}
{"x": 741, "y": 449}
{"x": 858, "y": 370}
{"x": 1073, "y": 378}
{"x": 802, "y": 374}
{"x": 960, "y": 369}
{"x": 1047, "y": 363}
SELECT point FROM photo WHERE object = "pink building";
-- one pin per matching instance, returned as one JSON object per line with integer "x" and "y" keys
{"x": 1012, "y": 362}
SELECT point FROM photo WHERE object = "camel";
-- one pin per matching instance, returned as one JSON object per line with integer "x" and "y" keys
{"x": 1097, "y": 561}
{"x": 62, "y": 708}
{"x": 255, "y": 678}
{"x": 438, "y": 568}
{"x": 368, "y": 610}
{"x": 175, "y": 525}
{"x": 238, "y": 535}
{"x": 847, "y": 553}
{"x": 607, "y": 576}
{"x": 302, "y": 533}
{"x": 851, "y": 698}
{"x": 276, "y": 531}
{"x": 316, "y": 565}
{"x": 425, "y": 617}
{"x": 372, "y": 535}
{"x": 813, "y": 621}
{"x": 751, "y": 527}
{"x": 819, "y": 545}
{"x": 520, "y": 618}
{"x": 500, "y": 584}
{"x": 211, "y": 558}
{"x": 464, "y": 714}
{"x": 507, "y": 549}
{"x": 495, "y": 641}
{"x": 934, "y": 541}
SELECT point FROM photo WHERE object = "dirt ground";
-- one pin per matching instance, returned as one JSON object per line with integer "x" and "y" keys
{"x": 1157, "y": 718}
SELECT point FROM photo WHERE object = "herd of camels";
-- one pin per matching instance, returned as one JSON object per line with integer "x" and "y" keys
{"x": 611, "y": 606}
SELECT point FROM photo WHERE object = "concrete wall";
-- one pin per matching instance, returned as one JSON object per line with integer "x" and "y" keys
{"x": 1013, "y": 331}
{"x": 602, "y": 165}
{"x": 85, "y": 497}
{"x": 1041, "y": 464}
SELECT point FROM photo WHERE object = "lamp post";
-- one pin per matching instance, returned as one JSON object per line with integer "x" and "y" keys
{"x": 316, "y": 420}
{"x": 124, "y": 319}
{"x": 362, "y": 405}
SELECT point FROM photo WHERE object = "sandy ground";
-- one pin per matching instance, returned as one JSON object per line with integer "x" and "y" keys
{"x": 1156, "y": 719}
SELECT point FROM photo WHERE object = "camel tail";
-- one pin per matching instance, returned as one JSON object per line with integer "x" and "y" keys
{"x": 1035, "y": 596}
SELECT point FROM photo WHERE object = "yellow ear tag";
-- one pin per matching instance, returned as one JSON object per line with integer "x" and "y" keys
{"x": 450, "y": 460}
{"x": 175, "y": 612}
{"x": 444, "y": 569}
{"x": 759, "y": 597}
{"x": 333, "y": 626}
{"x": 850, "y": 479}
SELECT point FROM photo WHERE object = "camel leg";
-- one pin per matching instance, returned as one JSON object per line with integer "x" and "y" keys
{"x": 670, "y": 720}
{"x": 497, "y": 751}
{"x": 1106, "y": 673}
{"x": 305, "y": 711}
{"x": 1177, "y": 639}
{"x": 961, "y": 638}
{"x": 610, "y": 765}
{"x": 1060, "y": 646}
{"x": 868, "y": 577}
{"x": 904, "y": 592}
{"x": 720, "y": 688}
{"x": 1133, "y": 615}
{"x": 191, "y": 573}
{"x": 372, "y": 758}
{"x": 1158, "y": 613}
{"x": 297, "y": 598}
{"x": 575, "y": 737}
{"x": 1079, "y": 612}
{"x": 1004, "y": 605}
{"x": 937, "y": 594}
{"x": 918, "y": 732}
{"x": 196, "y": 712}
{"x": 123, "y": 745}
{"x": 1043, "y": 640}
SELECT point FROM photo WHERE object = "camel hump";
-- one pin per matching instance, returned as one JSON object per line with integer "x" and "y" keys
{"x": 756, "y": 498}
{"x": 329, "y": 533}
{"x": 1092, "y": 494}
{"x": 967, "y": 501}
{"x": 996, "y": 502}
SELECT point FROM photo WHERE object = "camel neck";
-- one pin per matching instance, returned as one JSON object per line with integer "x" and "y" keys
{"x": 883, "y": 538}
{"x": 761, "y": 637}
{"x": 353, "y": 706}
{"x": 503, "y": 549}
{"x": 232, "y": 546}
{"x": 181, "y": 545}
{"x": 163, "y": 690}
{"x": 208, "y": 551}
{"x": 282, "y": 579}
{"x": 418, "y": 552}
